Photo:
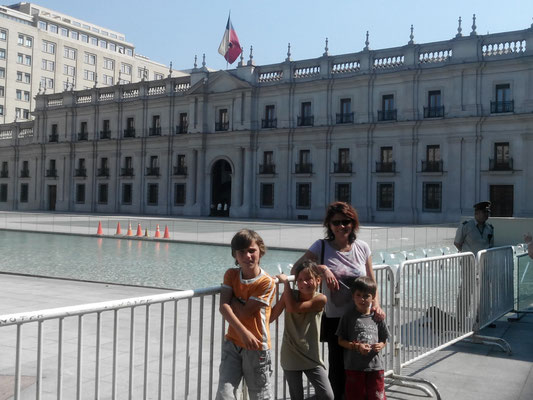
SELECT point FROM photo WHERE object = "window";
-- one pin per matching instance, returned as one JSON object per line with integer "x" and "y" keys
{"x": 19, "y": 94}
{"x": 434, "y": 98}
{"x": 127, "y": 193}
{"x": 25, "y": 114}
{"x": 69, "y": 70}
{"x": 388, "y": 111}
{"x": 344, "y": 156}
{"x": 125, "y": 69}
{"x": 20, "y": 40}
{"x": 343, "y": 192}
{"x": 303, "y": 195}
{"x": 80, "y": 193}
{"x": 503, "y": 102}
{"x": 433, "y": 153}
{"x": 385, "y": 196}
{"x": 112, "y": 46}
{"x": 26, "y": 96}
{"x": 223, "y": 121}
{"x": 20, "y": 58}
{"x": 157, "y": 76}
{"x": 89, "y": 58}
{"x": 52, "y": 28}
{"x": 152, "y": 193}
{"x": 84, "y": 38}
{"x": 102, "y": 193}
{"x": 386, "y": 154}
{"x": 3, "y": 35}
{"x": 28, "y": 41}
{"x": 103, "y": 44}
{"x": 42, "y": 25}
{"x": 69, "y": 53}
{"x": 270, "y": 117}
{"x": 154, "y": 161}
{"x": 88, "y": 75}
{"x": 343, "y": 164}
{"x": 47, "y": 83}
{"x": 27, "y": 60}
{"x": 503, "y": 92}
{"x": 142, "y": 73}
{"x": 2, "y": 91}
{"x": 268, "y": 166}
{"x": 108, "y": 79}
{"x": 434, "y": 108}
{"x": 49, "y": 47}
{"x": 19, "y": 76}
{"x": 47, "y": 65}
{"x": 5, "y": 170}
{"x": 64, "y": 32}
{"x": 3, "y": 192}
{"x": 183, "y": 123}
{"x": 27, "y": 78}
{"x": 304, "y": 165}
{"x": 2, "y": 54}
{"x": 433, "y": 161}
{"x": 129, "y": 52}
{"x": 74, "y": 35}
{"x": 109, "y": 64}
{"x": 2, "y": 73}
{"x": 502, "y": 161}
{"x": 179, "y": 194}
{"x": 1, "y": 109}
{"x": 94, "y": 41}
{"x": 306, "y": 117}
{"x": 346, "y": 114}
{"x": 432, "y": 197}
{"x": 267, "y": 195}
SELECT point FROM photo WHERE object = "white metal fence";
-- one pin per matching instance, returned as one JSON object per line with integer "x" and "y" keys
{"x": 168, "y": 346}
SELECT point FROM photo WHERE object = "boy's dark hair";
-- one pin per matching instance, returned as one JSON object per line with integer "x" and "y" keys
{"x": 243, "y": 239}
{"x": 308, "y": 265}
{"x": 364, "y": 284}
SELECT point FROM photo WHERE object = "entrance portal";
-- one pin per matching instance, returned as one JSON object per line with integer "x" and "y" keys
{"x": 220, "y": 189}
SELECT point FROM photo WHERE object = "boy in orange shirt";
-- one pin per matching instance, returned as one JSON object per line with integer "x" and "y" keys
{"x": 246, "y": 303}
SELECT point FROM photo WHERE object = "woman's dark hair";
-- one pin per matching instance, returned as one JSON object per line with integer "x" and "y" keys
{"x": 243, "y": 239}
{"x": 340, "y": 207}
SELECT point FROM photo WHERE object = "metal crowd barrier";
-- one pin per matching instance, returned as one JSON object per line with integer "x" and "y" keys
{"x": 167, "y": 346}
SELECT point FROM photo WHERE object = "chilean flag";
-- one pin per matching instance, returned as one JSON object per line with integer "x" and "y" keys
{"x": 230, "y": 47}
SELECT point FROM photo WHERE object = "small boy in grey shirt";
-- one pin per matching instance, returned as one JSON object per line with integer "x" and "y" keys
{"x": 363, "y": 339}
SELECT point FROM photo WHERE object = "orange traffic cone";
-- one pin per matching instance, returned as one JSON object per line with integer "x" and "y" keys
{"x": 130, "y": 232}
{"x": 166, "y": 235}
{"x": 99, "y": 231}
{"x": 157, "y": 233}
{"x": 119, "y": 231}
{"x": 146, "y": 233}
{"x": 139, "y": 230}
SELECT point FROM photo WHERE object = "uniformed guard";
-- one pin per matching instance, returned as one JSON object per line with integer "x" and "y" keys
{"x": 472, "y": 235}
{"x": 476, "y": 234}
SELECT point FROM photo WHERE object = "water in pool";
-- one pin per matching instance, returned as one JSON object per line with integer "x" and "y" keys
{"x": 150, "y": 263}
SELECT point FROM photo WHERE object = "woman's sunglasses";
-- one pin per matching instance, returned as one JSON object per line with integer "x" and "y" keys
{"x": 343, "y": 222}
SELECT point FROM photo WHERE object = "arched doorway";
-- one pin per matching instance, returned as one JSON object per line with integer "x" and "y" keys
{"x": 220, "y": 188}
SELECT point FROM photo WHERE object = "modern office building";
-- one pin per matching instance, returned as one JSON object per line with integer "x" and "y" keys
{"x": 412, "y": 134}
{"x": 42, "y": 49}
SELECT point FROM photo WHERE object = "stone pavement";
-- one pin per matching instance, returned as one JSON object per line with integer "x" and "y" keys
{"x": 463, "y": 371}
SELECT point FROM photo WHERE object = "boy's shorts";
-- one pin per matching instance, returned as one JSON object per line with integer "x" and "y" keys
{"x": 254, "y": 365}
{"x": 368, "y": 385}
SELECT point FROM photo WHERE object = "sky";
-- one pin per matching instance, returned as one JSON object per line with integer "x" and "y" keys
{"x": 176, "y": 30}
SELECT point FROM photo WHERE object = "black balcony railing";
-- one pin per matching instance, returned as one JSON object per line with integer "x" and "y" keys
{"x": 432, "y": 166}
{"x": 340, "y": 168}
{"x": 306, "y": 121}
{"x": 25, "y": 173}
{"x": 269, "y": 123}
{"x": 126, "y": 172}
{"x": 267, "y": 168}
{"x": 303, "y": 168}
{"x": 51, "y": 173}
{"x": 501, "y": 106}
{"x": 80, "y": 172}
{"x": 500, "y": 165}
{"x": 83, "y": 136}
{"x": 345, "y": 118}
{"x": 54, "y": 137}
{"x": 152, "y": 171}
{"x": 387, "y": 115}
{"x": 105, "y": 134}
{"x": 129, "y": 132}
{"x": 4, "y": 174}
{"x": 180, "y": 170}
{"x": 155, "y": 131}
{"x": 221, "y": 126}
{"x": 383, "y": 166}
{"x": 182, "y": 128}
{"x": 434, "y": 112}
{"x": 103, "y": 172}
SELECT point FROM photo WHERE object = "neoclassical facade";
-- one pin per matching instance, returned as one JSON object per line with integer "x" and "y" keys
{"x": 413, "y": 134}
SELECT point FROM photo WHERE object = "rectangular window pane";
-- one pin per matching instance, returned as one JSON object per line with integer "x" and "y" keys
{"x": 152, "y": 194}
{"x": 343, "y": 192}
{"x": 303, "y": 195}
{"x": 3, "y": 192}
{"x": 385, "y": 196}
{"x": 80, "y": 193}
{"x": 102, "y": 193}
{"x": 267, "y": 195}
{"x": 127, "y": 193}
{"x": 179, "y": 194}
{"x": 432, "y": 197}
{"x": 23, "y": 192}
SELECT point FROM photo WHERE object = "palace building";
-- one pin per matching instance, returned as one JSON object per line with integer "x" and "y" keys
{"x": 412, "y": 134}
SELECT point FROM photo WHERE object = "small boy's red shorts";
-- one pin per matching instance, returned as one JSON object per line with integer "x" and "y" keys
{"x": 365, "y": 385}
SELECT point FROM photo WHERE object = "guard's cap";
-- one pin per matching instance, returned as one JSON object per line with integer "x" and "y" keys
{"x": 482, "y": 206}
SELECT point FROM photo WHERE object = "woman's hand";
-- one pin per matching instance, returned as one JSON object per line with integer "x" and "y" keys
{"x": 379, "y": 314}
{"x": 330, "y": 279}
